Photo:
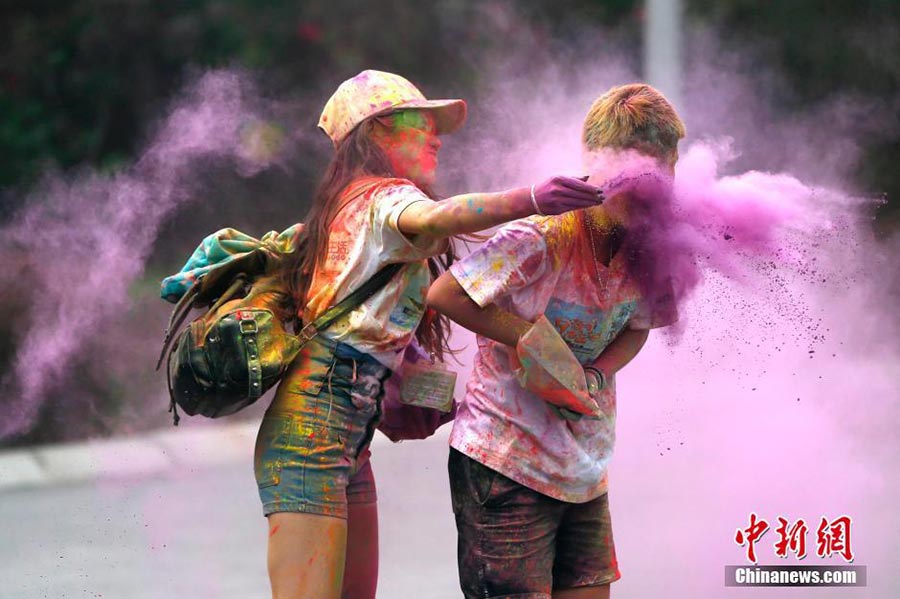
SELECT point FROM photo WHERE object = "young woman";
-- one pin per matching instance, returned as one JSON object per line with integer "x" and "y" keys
{"x": 373, "y": 207}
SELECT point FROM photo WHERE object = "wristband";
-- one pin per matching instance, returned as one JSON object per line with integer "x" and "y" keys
{"x": 601, "y": 378}
{"x": 537, "y": 209}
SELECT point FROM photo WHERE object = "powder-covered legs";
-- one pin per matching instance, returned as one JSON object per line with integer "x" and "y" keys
{"x": 306, "y": 555}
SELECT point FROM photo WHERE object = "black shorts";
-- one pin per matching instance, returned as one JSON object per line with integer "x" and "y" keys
{"x": 513, "y": 541}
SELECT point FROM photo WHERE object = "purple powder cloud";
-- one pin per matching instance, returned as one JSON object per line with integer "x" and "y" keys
{"x": 87, "y": 237}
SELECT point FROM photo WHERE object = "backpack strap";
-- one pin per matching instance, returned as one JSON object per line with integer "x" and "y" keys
{"x": 349, "y": 303}
{"x": 249, "y": 329}
{"x": 361, "y": 294}
{"x": 179, "y": 314}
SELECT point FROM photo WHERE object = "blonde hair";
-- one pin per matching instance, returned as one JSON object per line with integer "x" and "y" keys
{"x": 634, "y": 116}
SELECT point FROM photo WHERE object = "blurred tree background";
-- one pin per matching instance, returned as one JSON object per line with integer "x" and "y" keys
{"x": 81, "y": 84}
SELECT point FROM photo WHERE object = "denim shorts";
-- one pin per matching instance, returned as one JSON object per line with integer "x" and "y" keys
{"x": 516, "y": 542}
{"x": 312, "y": 448}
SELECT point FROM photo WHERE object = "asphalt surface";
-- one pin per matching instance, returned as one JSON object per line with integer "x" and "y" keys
{"x": 175, "y": 514}
{"x": 197, "y": 531}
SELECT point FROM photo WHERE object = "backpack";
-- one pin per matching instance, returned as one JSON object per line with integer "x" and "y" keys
{"x": 228, "y": 357}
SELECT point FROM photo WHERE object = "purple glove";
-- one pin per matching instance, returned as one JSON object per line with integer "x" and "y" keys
{"x": 561, "y": 194}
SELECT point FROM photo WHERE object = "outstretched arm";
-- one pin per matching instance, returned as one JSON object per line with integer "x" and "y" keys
{"x": 471, "y": 212}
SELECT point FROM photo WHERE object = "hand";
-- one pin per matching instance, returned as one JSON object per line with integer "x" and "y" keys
{"x": 551, "y": 371}
{"x": 561, "y": 194}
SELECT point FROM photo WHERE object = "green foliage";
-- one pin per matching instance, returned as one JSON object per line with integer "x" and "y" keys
{"x": 82, "y": 82}
{"x": 79, "y": 81}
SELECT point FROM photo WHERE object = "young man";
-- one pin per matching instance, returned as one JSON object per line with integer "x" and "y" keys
{"x": 528, "y": 479}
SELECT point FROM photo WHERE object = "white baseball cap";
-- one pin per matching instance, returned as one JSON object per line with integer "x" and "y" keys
{"x": 376, "y": 92}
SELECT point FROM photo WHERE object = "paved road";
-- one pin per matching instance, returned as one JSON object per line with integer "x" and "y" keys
{"x": 198, "y": 532}
{"x": 175, "y": 514}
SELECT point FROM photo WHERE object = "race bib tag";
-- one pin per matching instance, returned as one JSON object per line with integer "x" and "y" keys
{"x": 428, "y": 386}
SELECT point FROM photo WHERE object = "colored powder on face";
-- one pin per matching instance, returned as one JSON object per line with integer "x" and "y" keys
{"x": 407, "y": 142}
{"x": 413, "y": 119}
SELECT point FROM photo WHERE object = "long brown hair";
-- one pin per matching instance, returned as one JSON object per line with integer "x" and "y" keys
{"x": 356, "y": 156}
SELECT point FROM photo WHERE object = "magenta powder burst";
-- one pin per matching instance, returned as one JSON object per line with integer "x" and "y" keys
{"x": 776, "y": 391}
{"x": 88, "y": 236}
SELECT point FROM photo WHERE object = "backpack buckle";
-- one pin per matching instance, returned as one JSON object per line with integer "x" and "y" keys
{"x": 248, "y": 325}
{"x": 307, "y": 333}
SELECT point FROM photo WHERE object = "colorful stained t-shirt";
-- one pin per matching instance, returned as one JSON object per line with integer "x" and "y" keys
{"x": 363, "y": 238}
{"x": 544, "y": 265}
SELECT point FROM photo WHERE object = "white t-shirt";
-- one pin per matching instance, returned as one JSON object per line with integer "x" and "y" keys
{"x": 362, "y": 239}
{"x": 531, "y": 267}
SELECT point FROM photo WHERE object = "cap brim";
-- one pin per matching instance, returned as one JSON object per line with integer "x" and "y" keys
{"x": 449, "y": 115}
